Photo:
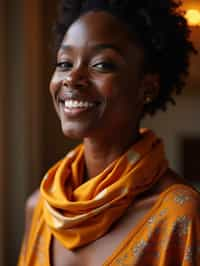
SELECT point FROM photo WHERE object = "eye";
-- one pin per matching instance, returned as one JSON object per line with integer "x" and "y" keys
{"x": 105, "y": 66}
{"x": 64, "y": 66}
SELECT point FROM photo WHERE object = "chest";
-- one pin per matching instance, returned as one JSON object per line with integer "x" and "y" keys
{"x": 100, "y": 250}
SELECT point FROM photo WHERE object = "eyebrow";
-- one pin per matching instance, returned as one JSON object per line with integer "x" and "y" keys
{"x": 95, "y": 48}
{"x": 103, "y": 46}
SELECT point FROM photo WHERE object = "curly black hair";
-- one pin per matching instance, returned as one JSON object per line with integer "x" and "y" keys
{"x": 162, "y": 30}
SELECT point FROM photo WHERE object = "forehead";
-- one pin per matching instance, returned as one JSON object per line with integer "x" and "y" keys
{"x": 97, "y": 27}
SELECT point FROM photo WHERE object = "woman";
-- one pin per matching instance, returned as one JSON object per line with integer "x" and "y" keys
{"x": 113, "y": 200}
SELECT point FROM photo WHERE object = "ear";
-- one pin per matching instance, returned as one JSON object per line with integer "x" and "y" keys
{"x": 150, "y": 86}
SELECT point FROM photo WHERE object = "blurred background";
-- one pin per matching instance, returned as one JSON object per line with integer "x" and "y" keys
{"x": 30, "y": 135}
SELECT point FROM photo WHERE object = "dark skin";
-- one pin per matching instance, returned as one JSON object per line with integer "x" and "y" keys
{"x": 101, "y": 65}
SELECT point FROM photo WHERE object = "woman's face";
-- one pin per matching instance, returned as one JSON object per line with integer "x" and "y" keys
{"x": 97, "y": 84}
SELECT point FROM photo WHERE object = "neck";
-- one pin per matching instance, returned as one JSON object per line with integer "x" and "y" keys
{"x": 99, "y": 153}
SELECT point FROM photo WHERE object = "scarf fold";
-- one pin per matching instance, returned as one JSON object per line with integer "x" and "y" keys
{"x": 79, "y": 212}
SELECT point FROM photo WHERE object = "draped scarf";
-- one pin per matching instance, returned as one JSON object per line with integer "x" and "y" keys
{"x": 77, "y": 212}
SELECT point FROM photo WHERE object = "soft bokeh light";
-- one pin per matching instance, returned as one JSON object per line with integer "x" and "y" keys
{"x": 193, "y": 17}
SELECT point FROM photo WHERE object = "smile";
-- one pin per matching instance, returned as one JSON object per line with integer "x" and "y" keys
{"x": 73, "y": 104}
{"x": 74, "y": 108}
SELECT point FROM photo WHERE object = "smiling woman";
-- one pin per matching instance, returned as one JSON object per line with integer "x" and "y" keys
{"x": 114, "y": 200}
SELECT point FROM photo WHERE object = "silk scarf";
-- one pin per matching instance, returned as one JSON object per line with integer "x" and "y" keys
{"x": 79, "y": 212}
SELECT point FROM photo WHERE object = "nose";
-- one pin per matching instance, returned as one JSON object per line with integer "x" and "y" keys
{"x": 77, "y": 78}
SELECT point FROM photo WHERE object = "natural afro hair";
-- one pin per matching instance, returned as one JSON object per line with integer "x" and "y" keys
{"x": 162, "y": 30}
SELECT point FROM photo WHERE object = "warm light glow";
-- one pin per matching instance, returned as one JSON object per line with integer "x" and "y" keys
{"x": 193, "y": 17}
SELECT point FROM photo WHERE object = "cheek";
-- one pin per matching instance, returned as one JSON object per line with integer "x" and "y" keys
{"x": 108, "y": 86}
{"x": 55, "y": 82}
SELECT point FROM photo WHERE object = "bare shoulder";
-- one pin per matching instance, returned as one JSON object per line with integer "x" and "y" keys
{"x": 30, "y": 205}
{"x": 168, "y": 179}
{"x": 32, "y": 200}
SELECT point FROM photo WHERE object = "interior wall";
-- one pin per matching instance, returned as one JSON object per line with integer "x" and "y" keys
{"x": 33, "y": 74}
{"x": 3, "y": 63}
{"x": 16, "y": 133}
{"x": 178, "y": 122}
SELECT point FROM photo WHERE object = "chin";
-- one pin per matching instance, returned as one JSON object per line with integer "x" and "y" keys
{"x": 76, "y": 132}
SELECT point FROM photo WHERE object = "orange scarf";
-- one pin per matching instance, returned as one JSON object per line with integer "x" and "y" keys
{"x": 77, "y": 213}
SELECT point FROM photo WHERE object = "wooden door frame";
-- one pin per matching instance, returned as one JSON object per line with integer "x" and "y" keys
{"x": 33, "y": 82}
{"x": 3, "y": 64}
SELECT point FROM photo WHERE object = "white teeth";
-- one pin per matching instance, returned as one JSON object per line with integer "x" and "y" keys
{"x": 81, "y": 104}
{"x": 78, "y": 104}
{"x": 86, "y": 105}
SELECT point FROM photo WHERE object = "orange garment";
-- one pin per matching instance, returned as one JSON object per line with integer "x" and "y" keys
{"x": 168, "y": 235}
{"x": 78, "y": 213}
